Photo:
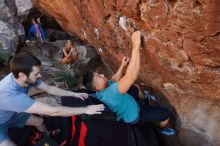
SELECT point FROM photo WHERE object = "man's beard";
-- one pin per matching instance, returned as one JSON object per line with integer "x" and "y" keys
{"x": 28, "y": 82}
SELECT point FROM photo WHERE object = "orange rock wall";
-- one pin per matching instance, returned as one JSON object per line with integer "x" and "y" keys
{"x": 181, "y": 48}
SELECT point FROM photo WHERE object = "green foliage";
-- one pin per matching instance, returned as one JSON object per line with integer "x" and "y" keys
{"x": 66, "y": 79}
{"x": 4, "y": 57}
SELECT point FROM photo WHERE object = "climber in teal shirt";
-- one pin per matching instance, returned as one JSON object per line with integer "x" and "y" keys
{"x": 123, "y": 105}
{"x": 114, "y": 93}
{"x": 121, "y": 97}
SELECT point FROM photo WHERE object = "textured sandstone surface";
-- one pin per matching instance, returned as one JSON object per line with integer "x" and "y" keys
{"x": 180, "y": 55}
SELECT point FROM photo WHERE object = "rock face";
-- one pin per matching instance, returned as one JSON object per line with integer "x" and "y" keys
{"x": 23, "y": 6}
{"x": 10, "y": 28}
{"x": 180, "y": 55}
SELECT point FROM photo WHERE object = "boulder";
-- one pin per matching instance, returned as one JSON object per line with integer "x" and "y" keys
{"x": 23, "y": 7}
{"x": 11, "y": 31}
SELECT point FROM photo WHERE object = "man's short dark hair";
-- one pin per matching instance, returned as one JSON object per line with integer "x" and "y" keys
{"x": 88, "y": 80}
{"x": 23, "y": 62}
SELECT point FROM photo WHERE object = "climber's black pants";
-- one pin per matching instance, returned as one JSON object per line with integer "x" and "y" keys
{"x": 149, "y": 113}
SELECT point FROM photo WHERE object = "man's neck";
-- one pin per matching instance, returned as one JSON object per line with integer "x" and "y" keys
{"x": 21, "y": 83}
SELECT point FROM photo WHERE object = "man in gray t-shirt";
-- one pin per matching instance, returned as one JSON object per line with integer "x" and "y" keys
{"x": 16, "y": 107}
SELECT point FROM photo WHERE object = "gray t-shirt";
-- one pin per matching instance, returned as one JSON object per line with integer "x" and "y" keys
{"x": 13, "y": 98}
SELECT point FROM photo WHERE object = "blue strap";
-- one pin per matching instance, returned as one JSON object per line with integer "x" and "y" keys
{"x": 168, "y": 131}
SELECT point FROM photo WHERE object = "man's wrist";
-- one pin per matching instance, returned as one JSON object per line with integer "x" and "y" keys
{"x": 84, "y": 110}
{"x": 72, "y": 94}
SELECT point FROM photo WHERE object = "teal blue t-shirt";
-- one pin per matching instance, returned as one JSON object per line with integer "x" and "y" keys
{"x": 123, "y": 105}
